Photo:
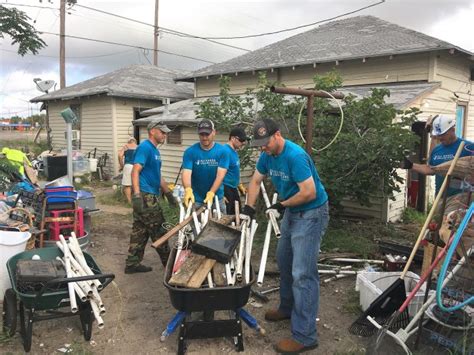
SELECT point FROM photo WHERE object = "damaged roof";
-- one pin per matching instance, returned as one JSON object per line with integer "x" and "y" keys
{"x": 136, "y": 81}
{"x": 352, "y": 38}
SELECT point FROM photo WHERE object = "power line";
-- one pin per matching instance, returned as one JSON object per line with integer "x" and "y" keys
{"x": 128, "y": 45}
{"x": 164, "y": 29}
{"x": 70, "y": 57}
{"x": 297, "y": 27}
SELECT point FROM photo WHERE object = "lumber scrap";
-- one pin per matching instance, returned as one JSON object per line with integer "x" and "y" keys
{"x": 218, "y": 274}
{"x": 186, "y": 271}
{"x": 201, "y": 273}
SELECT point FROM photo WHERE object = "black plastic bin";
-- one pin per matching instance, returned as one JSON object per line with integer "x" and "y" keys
{"x": 55, "y": 167}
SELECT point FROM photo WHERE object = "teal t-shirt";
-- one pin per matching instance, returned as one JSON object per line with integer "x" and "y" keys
{"x": 443, "y": 153}
{"x": 291, "y": 166}
{"x": 128, "y": 155}
{"x": 232, "y": 178}
{"x": 148, "y": 156}
{"x": 204, "y": 164}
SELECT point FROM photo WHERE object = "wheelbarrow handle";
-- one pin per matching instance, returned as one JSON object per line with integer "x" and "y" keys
{"x": 108, "y": 277}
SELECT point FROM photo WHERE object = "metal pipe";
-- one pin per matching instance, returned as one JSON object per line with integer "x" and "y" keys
{"x": 305, "y": 92}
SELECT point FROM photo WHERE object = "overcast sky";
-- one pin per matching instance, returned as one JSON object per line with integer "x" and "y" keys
{"x": 449, "y": 20}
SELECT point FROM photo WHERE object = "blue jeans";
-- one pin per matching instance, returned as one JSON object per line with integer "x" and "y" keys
{"x": 297, "y": 257}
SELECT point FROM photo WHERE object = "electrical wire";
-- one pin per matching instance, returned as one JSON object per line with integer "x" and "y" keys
{"x": 338, "y": 131}
{"x": 127, "y": 45}
{"x": 70, "y": 57}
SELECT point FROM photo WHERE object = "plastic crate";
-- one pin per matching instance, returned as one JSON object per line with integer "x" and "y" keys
{"x": 57, "y": 228}
{"x": 63, "y": 193}
{"x": 373, "y": 284}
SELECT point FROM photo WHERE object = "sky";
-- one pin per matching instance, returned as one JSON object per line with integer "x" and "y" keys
{"x": 449, "y": 20}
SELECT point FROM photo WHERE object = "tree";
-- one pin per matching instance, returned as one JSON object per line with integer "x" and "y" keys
{"x": 14, "y": 23}
{"x": 357, "y": 158}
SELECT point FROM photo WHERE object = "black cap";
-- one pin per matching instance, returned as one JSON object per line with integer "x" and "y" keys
{"x": 262, "y": 131}
{"x": 239, "y": 133}
{"x": 205, "y": 126}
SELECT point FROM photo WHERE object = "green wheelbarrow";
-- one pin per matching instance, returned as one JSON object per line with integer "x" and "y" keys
{"x": 44, "y": 301}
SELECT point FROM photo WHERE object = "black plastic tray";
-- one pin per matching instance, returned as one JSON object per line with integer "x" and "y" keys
{"x": 216, "y": 241}
{"x": 206, "y": 299}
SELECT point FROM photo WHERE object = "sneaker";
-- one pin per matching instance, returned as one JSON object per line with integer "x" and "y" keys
{"x": 275, "y": 315}
{"x": 290, "y": 346}
{"x": 137, "y": 268}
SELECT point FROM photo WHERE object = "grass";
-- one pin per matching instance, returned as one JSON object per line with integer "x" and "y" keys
{"x": 113, "y": 198}
{"x": 411, "y": 215}
{"x": 25, "y": 145}
{"x": 351, "y": 304}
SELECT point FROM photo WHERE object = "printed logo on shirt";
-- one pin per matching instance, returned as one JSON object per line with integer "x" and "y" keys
{"x": 443, "y": 157}
{"x": 280, "y": 174}
{"x": 208, "y": 162}
{"x": 157, "y": 157}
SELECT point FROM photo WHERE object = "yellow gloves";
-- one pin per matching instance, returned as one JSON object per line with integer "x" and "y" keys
{"x": 188, "y": 196}
{"x": 242, "y": 189}
{"x": 171, "y": 186}
{"x": 209, "y": 197}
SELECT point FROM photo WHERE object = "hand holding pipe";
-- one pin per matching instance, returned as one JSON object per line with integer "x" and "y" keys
{"x": 273, "y": 220}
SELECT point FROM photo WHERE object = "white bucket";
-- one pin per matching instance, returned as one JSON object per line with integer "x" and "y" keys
{"x": 93, "y": 164}
{"x": 11, "y": 243}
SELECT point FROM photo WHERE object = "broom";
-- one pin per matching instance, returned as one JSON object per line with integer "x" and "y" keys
{"x": 393, "y": 297}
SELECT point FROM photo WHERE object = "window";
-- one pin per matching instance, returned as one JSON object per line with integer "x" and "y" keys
{"x": 77, "y": 111}
{"x": 174, "y": 137}
{"x": 461, "y": 110}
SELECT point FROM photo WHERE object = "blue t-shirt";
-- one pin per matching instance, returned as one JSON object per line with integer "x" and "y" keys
{"x": 291, "y": 166}
{"x": 232, "y": 177}
{"x": 443, "y": 153}
{"x": 128, "y": 155}
{"x": 204, "y": 164}
{"x": 148, "y": 156}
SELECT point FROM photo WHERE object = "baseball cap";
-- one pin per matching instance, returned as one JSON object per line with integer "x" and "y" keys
{"x": 441, "y": 124}
{"x": 262, "y": 131}
{"x": 239, "y": 133}
{"x": 160, "y": 125}
{"x": 205, "y": 126}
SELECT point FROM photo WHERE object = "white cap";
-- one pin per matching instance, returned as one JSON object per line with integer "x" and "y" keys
{"x": 441, "y": 124}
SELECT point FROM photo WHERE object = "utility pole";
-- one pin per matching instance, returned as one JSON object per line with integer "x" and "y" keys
{"x": 62, "y": 44}
{"x": 155, "y": 35}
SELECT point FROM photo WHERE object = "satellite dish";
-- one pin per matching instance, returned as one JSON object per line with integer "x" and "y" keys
{"x": 44, "y": 85}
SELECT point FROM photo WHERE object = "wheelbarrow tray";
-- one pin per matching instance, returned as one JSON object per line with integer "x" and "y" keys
{"x": 206, "y": 299}
{"x": 52, "y": 298}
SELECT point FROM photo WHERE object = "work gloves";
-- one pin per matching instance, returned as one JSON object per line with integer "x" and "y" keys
{"x": 209, "y": 197}
{"x": 248, "y": 213}
{"x": 277, "y": 209}
{"x": 171, "y": 186}
{"x": 137, "y": 203}
{"x": 406, "y": 163}
{"x": 171, "y": 200}
{"x": 242, "y": 189}
{"x": 188, "y": 196}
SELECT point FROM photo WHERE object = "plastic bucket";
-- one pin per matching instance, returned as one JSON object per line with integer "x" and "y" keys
{"x": 93, "y": 164}
{"x": 11, "y": 243}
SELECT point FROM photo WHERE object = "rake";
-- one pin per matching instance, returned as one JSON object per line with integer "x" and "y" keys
{"x": 392, "y": 298}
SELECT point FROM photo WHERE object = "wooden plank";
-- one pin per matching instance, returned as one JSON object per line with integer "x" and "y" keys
{"x": 186, "y": 271}
{"x": 201, "y": 273}
{"x": 218, "y": 274}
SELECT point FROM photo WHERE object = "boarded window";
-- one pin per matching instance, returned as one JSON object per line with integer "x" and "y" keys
{"x": 174, "y": 137}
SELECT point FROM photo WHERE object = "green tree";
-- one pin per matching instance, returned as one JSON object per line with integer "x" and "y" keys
{"x": 356, "y": 158}
{"x": 14, "y": 23}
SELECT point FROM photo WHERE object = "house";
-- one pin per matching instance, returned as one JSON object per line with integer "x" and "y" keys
{"x": 432, "y": 75}
{"x": 106, "y": 106}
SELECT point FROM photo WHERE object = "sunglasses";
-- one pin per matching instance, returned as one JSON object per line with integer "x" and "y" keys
{"x": 241, "y": 140}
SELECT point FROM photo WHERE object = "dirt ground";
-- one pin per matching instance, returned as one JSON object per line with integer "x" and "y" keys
{"x": 138, "y": 309}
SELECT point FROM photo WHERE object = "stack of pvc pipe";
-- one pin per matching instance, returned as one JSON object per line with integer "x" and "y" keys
{"x": 76, "y": 266}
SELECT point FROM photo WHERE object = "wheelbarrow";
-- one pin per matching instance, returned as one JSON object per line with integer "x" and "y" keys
{"x": 43, "y": 301}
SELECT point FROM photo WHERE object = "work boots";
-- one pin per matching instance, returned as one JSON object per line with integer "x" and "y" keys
{"x": 275, "y": 315}
{"x": 137, "y": 268}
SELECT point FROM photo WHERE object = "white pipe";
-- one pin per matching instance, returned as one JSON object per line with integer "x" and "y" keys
{"x": 70, "y": 286}
{"x": 98, "y": 318}
{"x": 196, "y": 223}
{"x": 214, "y": 213}
{"x": 80, "y": 292}
{"x": 248, "y": 250}
{"x": 335, "y": 272}
{"x": 218, "y": 207}
{"x": 240, "y": 259}
{"x": 209, "y": 280}
{"x": 76, "y": 250}
{"x": 263, "y": 260}
{"x": 228, "y": 275}
{"x": 96, "y": 296}
{"x": 348, "y": 260}
{"x": 271, "y": 216}
{"x": 237, "y": 213}
{"x": 336, "y": 277}
{"x": 182, "y": 216}
{"x": 77, "y": 268}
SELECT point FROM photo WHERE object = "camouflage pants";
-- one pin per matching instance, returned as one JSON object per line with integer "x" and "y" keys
{"x": 148, "y": 224}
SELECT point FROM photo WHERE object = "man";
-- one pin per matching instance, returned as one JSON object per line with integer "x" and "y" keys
{"x": 147, "y": 183}
{"x": 204, "y": 167}
{"x": 232, "y": 185}
{"x": 125, "y": 157}
{"x": 305, "y": 218}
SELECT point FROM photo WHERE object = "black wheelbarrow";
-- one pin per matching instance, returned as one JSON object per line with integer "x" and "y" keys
{"x": 206, "y": 301}
{"x": 42, "y": 302}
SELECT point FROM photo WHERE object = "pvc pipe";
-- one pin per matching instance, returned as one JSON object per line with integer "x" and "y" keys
{"x": 75, "y": 248}
{"x": 77, "y": 288}
{"x": 209, "y": 280}
{"x": 70, "y": 286}
{"x": 271, "y": 216}
{"x": 335, "y": 272}
{"x": 98, "y": 318}
{"x": 181, "y": 233}
{"x": 196, "y": 223}
{"x": 348, "y": 260}
{"x": 248, "y": 249}
{"x": 240, "y": 260}
{"x": 228, "y": 275}
{"x": 237, "y": 213}
{"x": 263, "y": 260}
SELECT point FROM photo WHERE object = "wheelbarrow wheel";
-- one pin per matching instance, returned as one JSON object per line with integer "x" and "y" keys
{"x": 86, "y": 320}
{"x": 26, "y": 326}
{"x": 9, "y": 312}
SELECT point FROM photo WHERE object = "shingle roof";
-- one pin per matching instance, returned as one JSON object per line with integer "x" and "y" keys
{"x": 352, "y": 38}
{"x": 136, "y": 81}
